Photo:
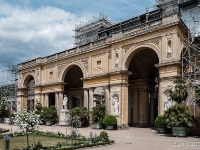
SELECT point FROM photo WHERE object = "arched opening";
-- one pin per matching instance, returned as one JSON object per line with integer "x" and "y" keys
{"x": 143, "y": 87}
{"x": 30, "y": 94}
{"x": 74, "y": 87}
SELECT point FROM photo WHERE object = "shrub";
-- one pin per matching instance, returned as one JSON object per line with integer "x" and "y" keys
{"x": 110, "y": 120}
{"x": 50, "y": 113}
{"x": 104, "y": 134}
{"x": 177, "y": 115}
{"x": 160, "y": 121}
{"x": 180, "y": 92}
{"x": 98, "y": 112}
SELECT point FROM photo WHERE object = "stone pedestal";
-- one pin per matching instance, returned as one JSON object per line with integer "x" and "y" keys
{"x": 64, "y": 115}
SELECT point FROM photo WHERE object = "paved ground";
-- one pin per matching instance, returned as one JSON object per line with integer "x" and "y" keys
{"x": 133, "y": 139}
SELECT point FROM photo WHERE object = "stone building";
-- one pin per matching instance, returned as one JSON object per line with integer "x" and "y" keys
{"x": 129, "y": 66}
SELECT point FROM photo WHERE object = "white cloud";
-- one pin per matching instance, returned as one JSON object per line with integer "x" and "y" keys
{"x": 26, "y": 33}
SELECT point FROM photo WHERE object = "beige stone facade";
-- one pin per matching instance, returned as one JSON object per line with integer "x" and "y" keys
{"x": 134, "y": 68}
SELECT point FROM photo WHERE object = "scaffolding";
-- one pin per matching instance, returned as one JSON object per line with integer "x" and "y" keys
{"x": 8, "y": 86}
{"x": 88, "y": 32}
{"x": 191, "y": 57}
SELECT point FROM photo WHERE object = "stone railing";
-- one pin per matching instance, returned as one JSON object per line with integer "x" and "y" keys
{"x": 142, "y": 28}
{"x": 52, "y": 57}
{"x": 28, "y": 64}
{"x": 99, "y": 43}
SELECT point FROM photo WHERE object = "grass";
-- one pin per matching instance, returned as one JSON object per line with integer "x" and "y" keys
{"x": 20, "y": 141}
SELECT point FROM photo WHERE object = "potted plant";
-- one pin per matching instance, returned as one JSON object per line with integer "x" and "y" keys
{"x": 97, "y": 114}
{"x": 82, "y": 114}
{"x": 49, "y": 115}
{"x": 160, "y": 124}
{"x": 178, "y": 117}
{"x": 110, "y": 121}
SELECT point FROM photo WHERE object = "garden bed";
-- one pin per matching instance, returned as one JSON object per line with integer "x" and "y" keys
{"x": 50, "y": 140}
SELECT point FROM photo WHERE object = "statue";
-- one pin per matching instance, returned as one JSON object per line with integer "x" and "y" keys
{"x": 116, "y": 104}
{"x": 64, "y": 102}
{"x": 168, "y": 102}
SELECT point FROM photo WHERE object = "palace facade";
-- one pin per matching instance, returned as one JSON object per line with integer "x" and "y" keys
{"x": 130, "y": 66}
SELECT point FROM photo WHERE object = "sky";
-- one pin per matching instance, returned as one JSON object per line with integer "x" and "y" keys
{"x": 38, "y": 28}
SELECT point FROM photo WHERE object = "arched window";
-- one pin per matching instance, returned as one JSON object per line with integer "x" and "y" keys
{"x": 31, "y": 95}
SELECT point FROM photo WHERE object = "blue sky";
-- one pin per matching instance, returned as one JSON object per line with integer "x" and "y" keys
{"x": 37, "y": 28}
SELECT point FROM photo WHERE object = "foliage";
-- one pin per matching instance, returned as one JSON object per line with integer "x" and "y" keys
{"x": 180, "y": 92}
{"x": 110, "y": 120}
{"x": 80, "y": 112}
{"x": 4, "y": 108}
{"x": 38, "y": 108}
{"x": 104, "y": 135}
{"x": 49, "y": 113}
{"x": 177, "y": 115}
{"x": 51, "y": 138}
{"x": 160, "y": 121}
{"x": 73, "y": 121}
{"x": 27, "y": 120}
{"x": 98, "y": 112}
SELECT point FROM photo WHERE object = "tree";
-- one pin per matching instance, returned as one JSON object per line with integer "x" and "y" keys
{"x": 27, "y": 120}
{"x": 180, "y": 92}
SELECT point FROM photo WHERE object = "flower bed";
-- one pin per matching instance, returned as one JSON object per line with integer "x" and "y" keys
{"x": 63, "y": 142}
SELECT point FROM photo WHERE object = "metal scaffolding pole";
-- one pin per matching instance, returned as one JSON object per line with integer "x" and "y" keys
{"x": 8, "y": 86}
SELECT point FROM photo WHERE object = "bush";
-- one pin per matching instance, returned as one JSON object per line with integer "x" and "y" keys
{"x": 178, "y": 115}
{"x": 110, "y": 120}
{"x": 104, "y": 134}
{"x": 160, "y": 121}
{"x": 50, "y": 113}
{"x": 180, "y": 92}
{"x": 98, "y": 112}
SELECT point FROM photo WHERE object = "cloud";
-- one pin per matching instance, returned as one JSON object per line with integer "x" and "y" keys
{"x": 27, "y": 33}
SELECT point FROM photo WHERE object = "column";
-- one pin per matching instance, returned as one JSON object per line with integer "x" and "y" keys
{"x": 107, "y": 99}
{"x": 91, "y": 98}
{"x": 130, "y": 105}
{"x": 85, "y": 98}
{"x": 60, "y": 97}
{"x": 57, "y": 103}
{"x": 124, "y": 107}
{"x": 46, "y": 100}
{"x": 152, "y": 108}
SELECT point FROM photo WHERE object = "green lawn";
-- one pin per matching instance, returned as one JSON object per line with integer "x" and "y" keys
{"x": 20, "y": 141}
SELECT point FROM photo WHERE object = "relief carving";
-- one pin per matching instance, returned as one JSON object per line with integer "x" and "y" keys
{"x": 85, "y": 63}
{"x": 156, "y": 42}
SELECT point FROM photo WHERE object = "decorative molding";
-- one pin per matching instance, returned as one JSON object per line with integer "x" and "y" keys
{"x": 85, "y": 63}
{"x": 156, "y": 42}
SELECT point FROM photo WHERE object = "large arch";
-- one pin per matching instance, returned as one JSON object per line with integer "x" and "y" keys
{"x": 65, "y": 70}
{"x": 143, "y": 85}
{"x": 72, "y": 77}
{"x": 29, "y": 84}
{"x": 135, "y": 50}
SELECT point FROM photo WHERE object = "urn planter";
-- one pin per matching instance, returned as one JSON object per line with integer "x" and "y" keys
{"x": 97, "y": 125}
{"x": 49, "y": 123}
{"x": 110, "y": 127}
{"x": 162, "y": 130}
{"x": 179, "y": 131}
